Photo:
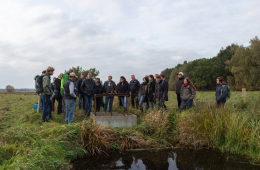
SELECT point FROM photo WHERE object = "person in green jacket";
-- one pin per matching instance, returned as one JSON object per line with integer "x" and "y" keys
{"x": 64, "y": 79}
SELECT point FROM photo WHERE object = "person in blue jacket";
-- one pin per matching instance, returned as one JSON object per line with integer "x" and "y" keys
{"x": 221, "y": 91}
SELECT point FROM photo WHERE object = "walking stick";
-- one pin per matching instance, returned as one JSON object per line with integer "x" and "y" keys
{"x": 39, "y": 103}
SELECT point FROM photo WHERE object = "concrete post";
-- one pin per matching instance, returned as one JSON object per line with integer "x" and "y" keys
{"x": 244, "y": 93}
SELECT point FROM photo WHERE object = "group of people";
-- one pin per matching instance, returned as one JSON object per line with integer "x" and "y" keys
{"x": 152, "y": 92}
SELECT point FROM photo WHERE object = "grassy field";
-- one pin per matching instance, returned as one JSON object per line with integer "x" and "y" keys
{"x": 27, "y": 143}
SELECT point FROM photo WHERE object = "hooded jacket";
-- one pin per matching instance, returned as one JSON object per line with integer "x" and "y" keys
{"x": 46, "y": 83}
{"x": 187, "y": 93}
{"x": 221, "y": 92}
{"x": 179, "y": 84}
{"x": 88, "y": 86}
{"x": 64, "y": 79}
{"x": 160, "y": 90}
{"x": 150, "y": 90}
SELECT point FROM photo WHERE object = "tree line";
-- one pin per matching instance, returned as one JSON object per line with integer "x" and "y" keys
{"x": 239, "y": 65}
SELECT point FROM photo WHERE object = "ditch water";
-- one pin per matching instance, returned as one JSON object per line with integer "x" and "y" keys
{"x": 178, "y": 159}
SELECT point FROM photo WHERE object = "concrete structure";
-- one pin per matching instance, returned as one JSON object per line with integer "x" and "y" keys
{"x": 116, "y": 120}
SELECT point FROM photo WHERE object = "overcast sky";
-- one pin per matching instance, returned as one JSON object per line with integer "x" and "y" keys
{"x": 117, "y": 37}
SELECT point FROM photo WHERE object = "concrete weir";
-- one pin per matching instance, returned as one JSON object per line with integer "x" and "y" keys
{"x": 115, "y": 120}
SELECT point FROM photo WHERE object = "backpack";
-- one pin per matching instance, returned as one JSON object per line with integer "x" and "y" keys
{"x": 228, "y": 90}
{"x": 38, "y": 84}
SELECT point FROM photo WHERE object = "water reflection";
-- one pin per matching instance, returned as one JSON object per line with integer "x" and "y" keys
{"x": 179, "y": 159}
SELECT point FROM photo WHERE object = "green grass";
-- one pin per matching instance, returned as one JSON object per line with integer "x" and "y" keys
{"x": 27, "y": 143}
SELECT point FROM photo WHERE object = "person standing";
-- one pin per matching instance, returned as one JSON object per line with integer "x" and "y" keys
{"x": 41, "y": 106}
{"x": 108, "y": 88}
{"x": 187, "y": 93}
{"x": 221, "y": 91}
{"x": 53, "y": 96}
{"x": 134, "y": 88}
{"x": 160, "y": 92}
{"x": 150, "y": 91}
{"x": 142, "y": 94}
{"x": 46, "y": 94}
{"x": 98, "y": 90}
{"x": 64, "y": 79}
{"x": 179, "y": 84}
{"x": 88, "y": 86}
{"x": 165, "y": 82}
{"x": 70, "y": 98}
{"x": 123, "y": 88}
{"x": 80, "y": 91}
{"x": 58, "y": 96}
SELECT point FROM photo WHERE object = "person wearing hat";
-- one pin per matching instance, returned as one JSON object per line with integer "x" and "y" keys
{"x": 70, "y": 98}
{"x": 166, "y": 84}
{"x": 179, "y": 84}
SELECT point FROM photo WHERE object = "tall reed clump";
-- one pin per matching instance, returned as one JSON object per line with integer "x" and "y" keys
{"x": 96, "y": 139}
{"x": 221, "y": 128}
{"x": 156, "y": 125}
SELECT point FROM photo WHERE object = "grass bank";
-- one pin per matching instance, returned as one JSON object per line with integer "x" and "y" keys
{"x": 27, "y": 143}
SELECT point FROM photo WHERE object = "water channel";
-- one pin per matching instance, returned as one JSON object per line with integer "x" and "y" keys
{"x": 178, "y": 159}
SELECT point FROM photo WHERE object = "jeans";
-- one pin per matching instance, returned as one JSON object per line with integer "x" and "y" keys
{"x": 141, "y": 101}
{"x": 160, "y": 103}
{"x": 88, "y": 104}
{"x": 70, "y": 109}
{"x": 123, "y": 101}
{"x": 81, "y": 97}
{"x": 110, "y": 103}
{"x": 46, "y": 107}
{"x": 59, "y": 99}
{"x": 187, "y": 102}
{"x": 133, "y": 97}
{"x": 41, "y": 106}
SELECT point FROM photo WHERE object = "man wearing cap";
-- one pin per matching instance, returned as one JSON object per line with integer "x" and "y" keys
{"x": 179, "y": 83}
{"x": 166, "y": 85}
{"x": 70, "y": 98}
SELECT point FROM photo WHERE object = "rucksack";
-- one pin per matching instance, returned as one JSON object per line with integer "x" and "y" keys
{"x": 228, "y": 90}
{"x": 38, "y": 84}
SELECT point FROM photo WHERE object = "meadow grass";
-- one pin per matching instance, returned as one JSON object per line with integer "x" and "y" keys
{"x": 27, "y": 143}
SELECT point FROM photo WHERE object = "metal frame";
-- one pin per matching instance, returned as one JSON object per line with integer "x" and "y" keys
{"x": 111, "y": 95}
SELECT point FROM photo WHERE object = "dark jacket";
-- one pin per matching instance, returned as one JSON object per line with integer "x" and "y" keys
{"x": 179, "y": 83}
{"x": 57, "y": 84}
{"x": 160, "y": 90}
{"x": 165, "y": 82}
{"x": 150, "y": 91}
{"x": 123, "y": 88}
{"x": 53, "y": 86}
{"x": 98, "y": 90}
{"x": 67, "y": 90}
{"x": 221, "y": 92}
{"x": 134, "y": 86}
{"x": 79, "y": 83}
{"x": 88, "y": 86}
{"x": 187, "y": 93}
{"x": 143, "y": 91}
{"x": 113, "y": 87}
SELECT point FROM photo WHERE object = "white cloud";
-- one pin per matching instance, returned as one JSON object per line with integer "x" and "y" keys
{"x": 177, "y": 58}
{"x": 116, "y": 37}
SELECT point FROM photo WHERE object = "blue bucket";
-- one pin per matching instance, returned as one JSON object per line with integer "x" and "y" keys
{"x": 35, "y": 106}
